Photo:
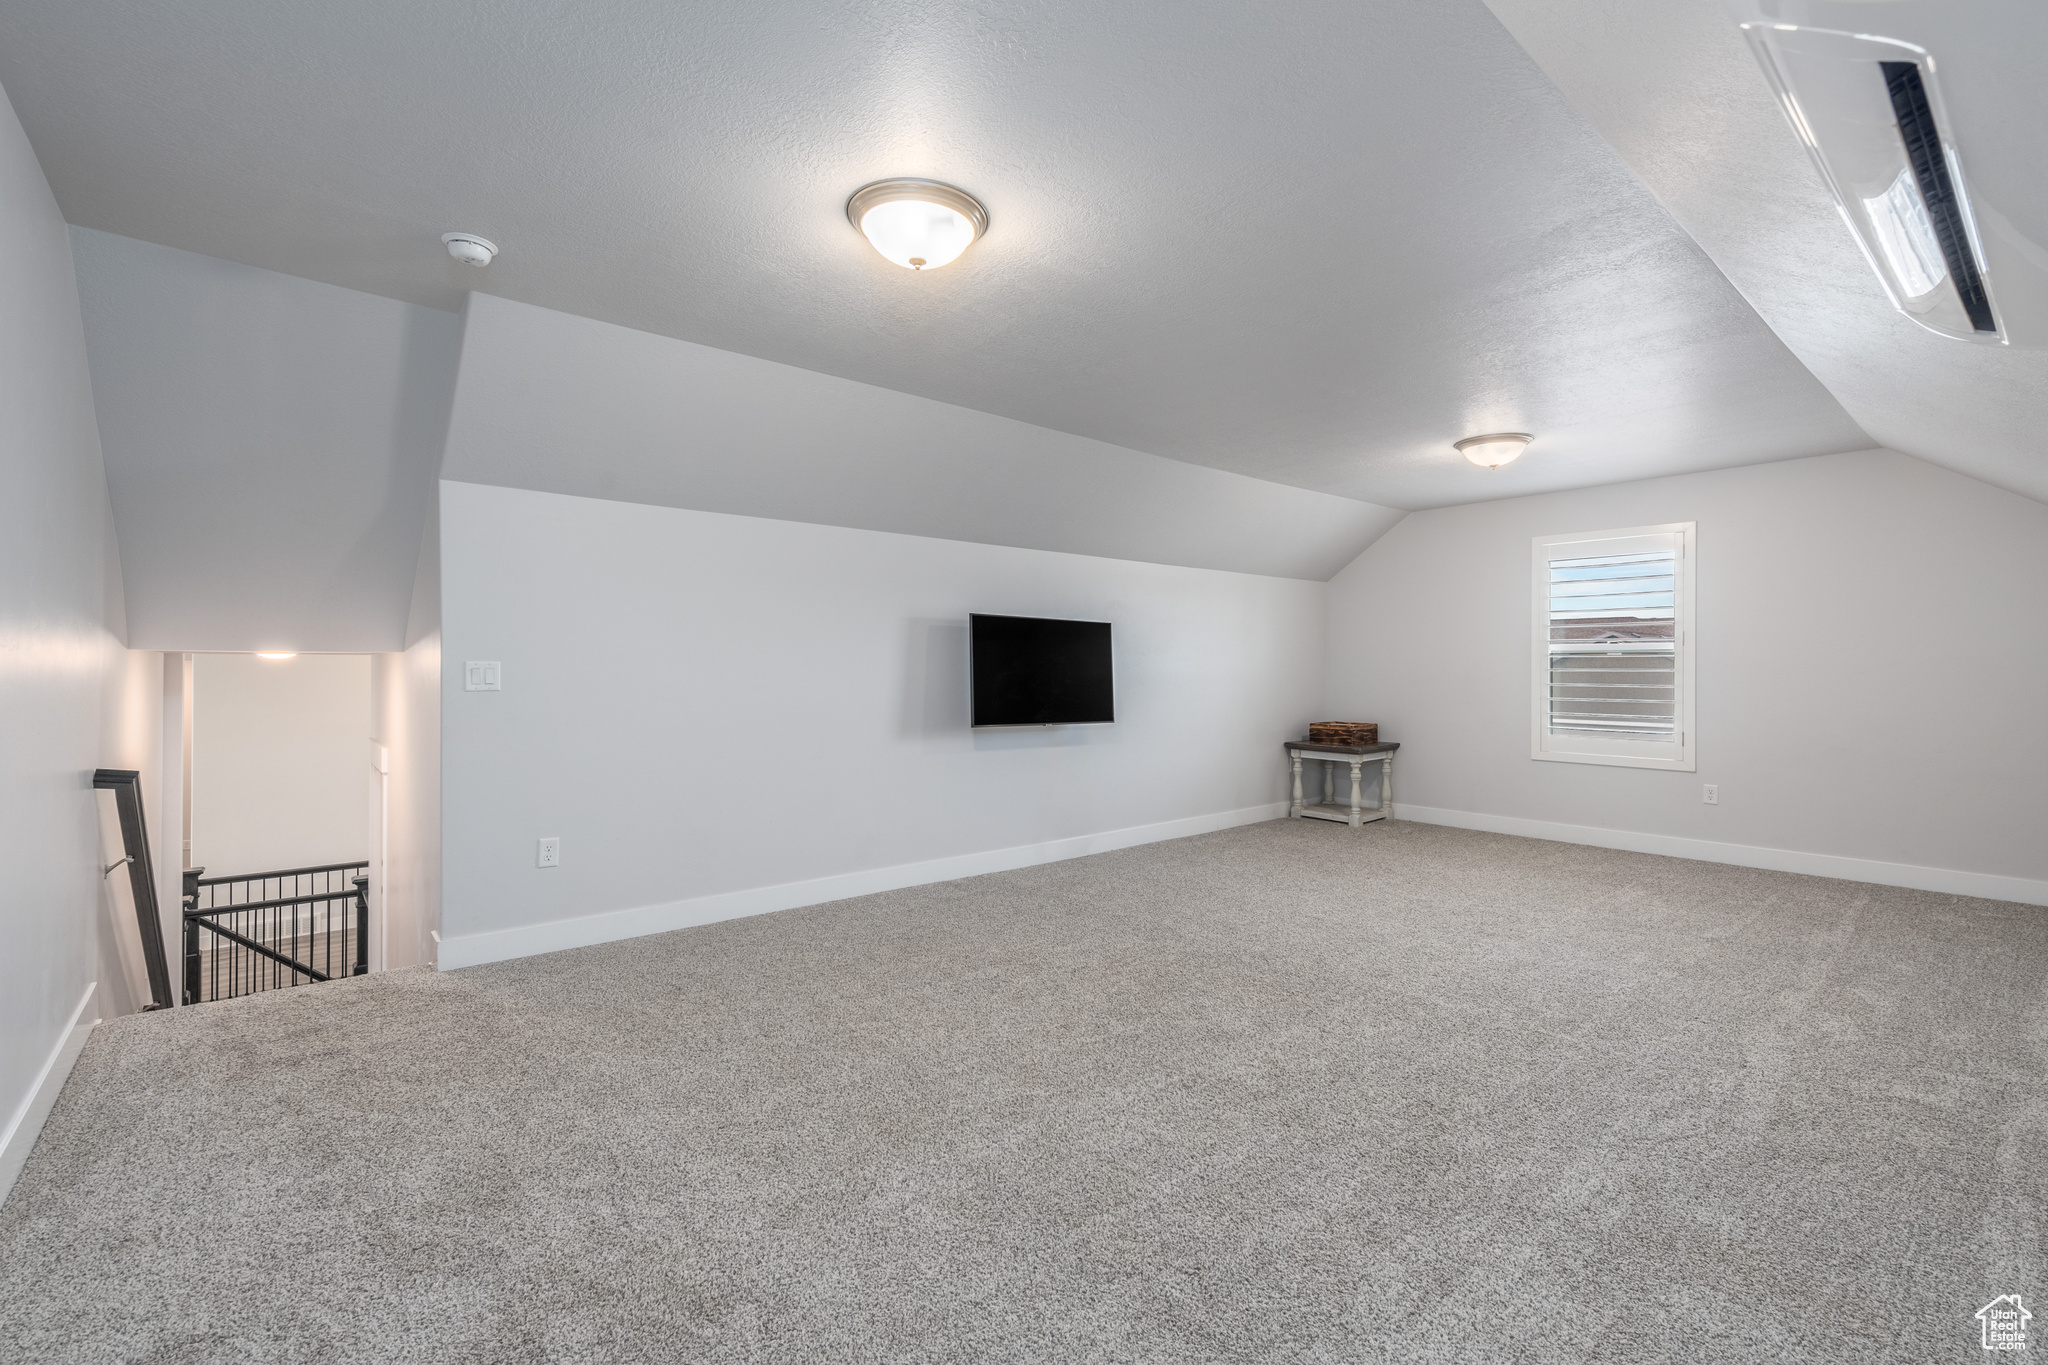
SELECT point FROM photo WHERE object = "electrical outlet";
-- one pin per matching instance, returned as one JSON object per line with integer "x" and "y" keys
{"x": 1710, "y": 794}
{"x": 550, "y": 853}
{"x": 483, "y": 675}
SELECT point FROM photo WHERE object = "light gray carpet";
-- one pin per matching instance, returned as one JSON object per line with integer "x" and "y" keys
{"x": 1283, "y": 1093}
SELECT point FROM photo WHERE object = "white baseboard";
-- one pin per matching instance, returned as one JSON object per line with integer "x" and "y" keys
{"x": 1985, "y": 884}
{"x": 27, "y": 1123}
{"x": 469, "y": 950}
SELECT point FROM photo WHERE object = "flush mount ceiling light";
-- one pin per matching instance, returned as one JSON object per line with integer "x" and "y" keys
{"x": 469, "y": 248}
{"x": 292, "y": 655}
{"x": 1491, "y": 452}
{"x": 918, "y": 224}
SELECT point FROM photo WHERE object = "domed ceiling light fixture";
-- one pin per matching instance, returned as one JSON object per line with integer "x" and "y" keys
{"x": 1491, "y": 452}
{"x": 918, "y": 224}
{"x": 469, "y": 248}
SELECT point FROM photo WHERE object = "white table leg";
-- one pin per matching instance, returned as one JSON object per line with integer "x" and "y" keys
{"x": 1294, "y": 810}
{"x": 1387, "y": 787}
{"x": 1329, "y": 783}
{"x": 1357, "y": 792}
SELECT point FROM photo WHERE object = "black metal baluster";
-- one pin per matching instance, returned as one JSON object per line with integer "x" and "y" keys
{"x": 189, "y": 901}
{"x": 254, "y": 946}
{"x": 360, "y": 962}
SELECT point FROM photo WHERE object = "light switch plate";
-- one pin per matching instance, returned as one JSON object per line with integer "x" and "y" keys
{"x": 550, "y": 852}
{"x": 483, "y": 675}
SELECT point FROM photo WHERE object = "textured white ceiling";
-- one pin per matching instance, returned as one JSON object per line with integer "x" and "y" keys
{"x": 1674, "y": 88}
{"x": 1311, "y": 243}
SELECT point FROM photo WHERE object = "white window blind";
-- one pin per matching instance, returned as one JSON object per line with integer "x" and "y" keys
{"x": 1614, "y": 644}
{"x": 1613, "y": 676}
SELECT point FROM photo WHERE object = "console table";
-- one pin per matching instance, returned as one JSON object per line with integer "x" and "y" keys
{"x": 1330, "y": 755}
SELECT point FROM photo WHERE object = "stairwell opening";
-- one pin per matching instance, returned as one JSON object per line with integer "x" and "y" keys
{"x": 284, "y": 824}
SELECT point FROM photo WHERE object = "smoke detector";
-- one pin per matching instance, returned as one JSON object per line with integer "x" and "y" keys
{"x": 469, "y": 248}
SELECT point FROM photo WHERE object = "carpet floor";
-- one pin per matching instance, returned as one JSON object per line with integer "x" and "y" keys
{"x": 1289, "y": 1092}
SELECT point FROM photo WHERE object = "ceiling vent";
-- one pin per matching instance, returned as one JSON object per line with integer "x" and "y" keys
{"x": 1870, "y": 113}
{"x": 1943, "y": 207}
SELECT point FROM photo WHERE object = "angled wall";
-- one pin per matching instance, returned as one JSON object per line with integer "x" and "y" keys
{"x": 563, "y": 404}
{"x": 270, "y": 445}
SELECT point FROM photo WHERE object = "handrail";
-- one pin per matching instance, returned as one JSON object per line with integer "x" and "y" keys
{"x": 281, "y": 872}
{"x": 126, "y": 784}
{"x": 254, "y": 946}
{"x": 342, "y": 930}
{"x": 204, "y": 911}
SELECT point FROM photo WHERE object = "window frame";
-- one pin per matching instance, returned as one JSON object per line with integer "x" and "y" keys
{"x": 1611, "y": 751}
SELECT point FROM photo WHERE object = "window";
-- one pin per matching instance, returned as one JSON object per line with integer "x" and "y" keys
{"x": 1613, "y": 657}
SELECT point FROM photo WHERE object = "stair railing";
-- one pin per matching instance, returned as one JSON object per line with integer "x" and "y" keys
{"x": 261, "y": 931}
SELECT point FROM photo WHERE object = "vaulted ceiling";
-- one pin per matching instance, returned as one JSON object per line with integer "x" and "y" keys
{"x": 1674, "y": 89}
{"x": 1310, "y": 243}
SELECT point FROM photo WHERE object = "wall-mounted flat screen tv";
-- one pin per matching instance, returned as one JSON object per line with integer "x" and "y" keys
{"x": 1030, "y": 671}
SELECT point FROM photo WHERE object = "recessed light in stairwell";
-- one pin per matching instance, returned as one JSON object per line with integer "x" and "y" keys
{"x": 918, "y": 224}
{"x": 292, "y": 655}
{"x": 1491, "y": 452}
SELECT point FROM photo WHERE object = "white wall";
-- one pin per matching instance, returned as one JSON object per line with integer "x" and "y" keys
{"x": 564, "y": 404}
{"x": 67, "y": 688}
{"x": 170, "y": 827}
{"x": 270, "y": 446}
{"x": 406, "y": 720}
{"x": 702, "y": 706}
{"x": 280, "y": 761}
{"x": 1872, "y": 642}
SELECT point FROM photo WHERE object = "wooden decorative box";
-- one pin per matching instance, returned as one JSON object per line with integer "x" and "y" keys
{"x": 1343, "y": 732}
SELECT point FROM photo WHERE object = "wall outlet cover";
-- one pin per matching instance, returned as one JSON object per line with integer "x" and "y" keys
{"x": 550, "y": 853}
{"x": 1710, "y": 794}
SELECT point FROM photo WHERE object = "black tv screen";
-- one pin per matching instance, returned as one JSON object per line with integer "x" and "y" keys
{"x": 1031, "y": 671}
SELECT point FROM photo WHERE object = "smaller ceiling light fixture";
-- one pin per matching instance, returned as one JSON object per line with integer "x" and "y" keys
{"x": 918, "y": 224}
{"x": 469, "y": 248}
{"x": 1491, "y": 452}
{"x": 292, "y": 655}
